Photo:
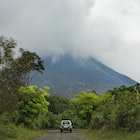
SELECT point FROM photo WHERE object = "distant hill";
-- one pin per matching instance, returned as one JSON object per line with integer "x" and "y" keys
{"x": 67, "y": 76}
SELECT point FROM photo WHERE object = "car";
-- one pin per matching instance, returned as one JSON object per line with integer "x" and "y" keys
{"x": 66, "y": 125}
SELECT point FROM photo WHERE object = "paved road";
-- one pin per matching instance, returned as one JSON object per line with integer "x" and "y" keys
{"x": 57, "y": 135}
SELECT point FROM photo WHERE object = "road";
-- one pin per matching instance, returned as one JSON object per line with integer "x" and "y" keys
{"x": 57, "y": 135}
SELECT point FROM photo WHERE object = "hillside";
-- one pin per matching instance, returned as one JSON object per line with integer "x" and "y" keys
{"x": 69, "y": 76}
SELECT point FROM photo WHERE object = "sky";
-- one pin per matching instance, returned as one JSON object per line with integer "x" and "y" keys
{"x": 108, "y": 30}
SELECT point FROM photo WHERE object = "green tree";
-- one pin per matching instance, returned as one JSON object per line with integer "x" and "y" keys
{"x": 118, "y": 109}
{"x": 33, "y": 106}
{"x": 103, "y": 114}
{"x": 84, "y": 104}
{"x": 6, "y": 51}
{"x": 15, "y": 71}
{"x": 7, "y": 89}
{"x": 58, "y": 104}
{"x": 137, "y": 89}
{"x": 25, "y": 64}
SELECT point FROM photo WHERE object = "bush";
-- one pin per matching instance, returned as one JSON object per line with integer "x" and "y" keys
{"x": 97, "y": 121}
{"x": 7, "y": 131}
{"x": 33, "y": 106}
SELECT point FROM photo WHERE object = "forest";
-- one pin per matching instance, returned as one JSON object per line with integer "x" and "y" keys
{"x": 34, "y": 108}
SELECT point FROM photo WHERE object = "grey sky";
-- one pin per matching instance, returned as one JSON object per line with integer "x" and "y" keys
{"x": 108, "y": 30}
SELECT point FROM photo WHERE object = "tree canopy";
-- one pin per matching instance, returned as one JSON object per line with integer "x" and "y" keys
{"x": 32, "y": 106}
{"x": 15, "y": 71}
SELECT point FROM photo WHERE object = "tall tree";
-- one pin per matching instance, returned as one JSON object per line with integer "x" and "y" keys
{"x": 15, "y": 71}
{"x": 7, "y": 96}
{"x": 25, "y": 64}
{"x": 137, "y": 89}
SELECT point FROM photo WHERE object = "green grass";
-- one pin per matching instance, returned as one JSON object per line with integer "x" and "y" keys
{"x": 111, "y": 135}
{"x": 12, "y": 132}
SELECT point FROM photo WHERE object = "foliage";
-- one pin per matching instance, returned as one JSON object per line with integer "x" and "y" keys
{"x": 15, "y": 72}
{"x": 84, "y": 104}
{"x": 33, "y": 106}
{"x": 117, "y": 109}
{"x": 58, "y": 104}
{"x": 52, "y": 121}
{"x": 12, "y": 132}
{"x": 104, "y": 134}
{"x": 7, "y": 131}
{"x": 27, "y": 62}
{"x": 120, "y": 109}
{"x": 7, "y": 92}
{"x": 59, "y": 109}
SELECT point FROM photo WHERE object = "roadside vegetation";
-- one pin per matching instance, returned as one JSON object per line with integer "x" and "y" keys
{"x": 104, "y": 134}
{"x": 12, "y": 132}
{"x": 25, "y": 110}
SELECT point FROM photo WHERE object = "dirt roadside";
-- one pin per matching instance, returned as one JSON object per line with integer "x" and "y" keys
{"x": 57, "y": 135}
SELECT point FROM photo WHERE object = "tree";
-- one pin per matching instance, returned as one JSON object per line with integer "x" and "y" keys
{"x": 7, "y": 96}
{"x": 118, "y": 109}
{"x": 25, "y": 65}
{"x": 32, "y": 107}
{"x": 84, "y": 104}
{"x": 137, "y": 89}
{"x": 15, "y": 71}
{"x": 58, "y": 104}
{"x": 6, "y": 51}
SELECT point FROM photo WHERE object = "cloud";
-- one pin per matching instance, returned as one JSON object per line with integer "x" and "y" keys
{"x": 107, "y": 30}
{"x": 48, "y": 25}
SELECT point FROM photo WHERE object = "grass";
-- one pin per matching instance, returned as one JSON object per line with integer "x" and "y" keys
{"x": 111, "y": 135}
{"x": 12, "y": 132}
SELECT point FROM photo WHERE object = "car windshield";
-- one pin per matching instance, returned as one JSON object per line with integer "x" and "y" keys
{"x": 66, "y": 122}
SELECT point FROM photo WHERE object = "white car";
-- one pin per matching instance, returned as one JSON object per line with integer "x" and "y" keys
{"x": 66, "y": 125}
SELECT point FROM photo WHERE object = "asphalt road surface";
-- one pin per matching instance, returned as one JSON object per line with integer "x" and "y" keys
{"x": 57, "y": 135}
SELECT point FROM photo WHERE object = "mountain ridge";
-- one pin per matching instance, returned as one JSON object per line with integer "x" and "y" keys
{"x": 67, "y": 76}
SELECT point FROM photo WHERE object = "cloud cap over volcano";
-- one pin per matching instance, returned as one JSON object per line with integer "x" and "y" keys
{"x": 107, "y": 30}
